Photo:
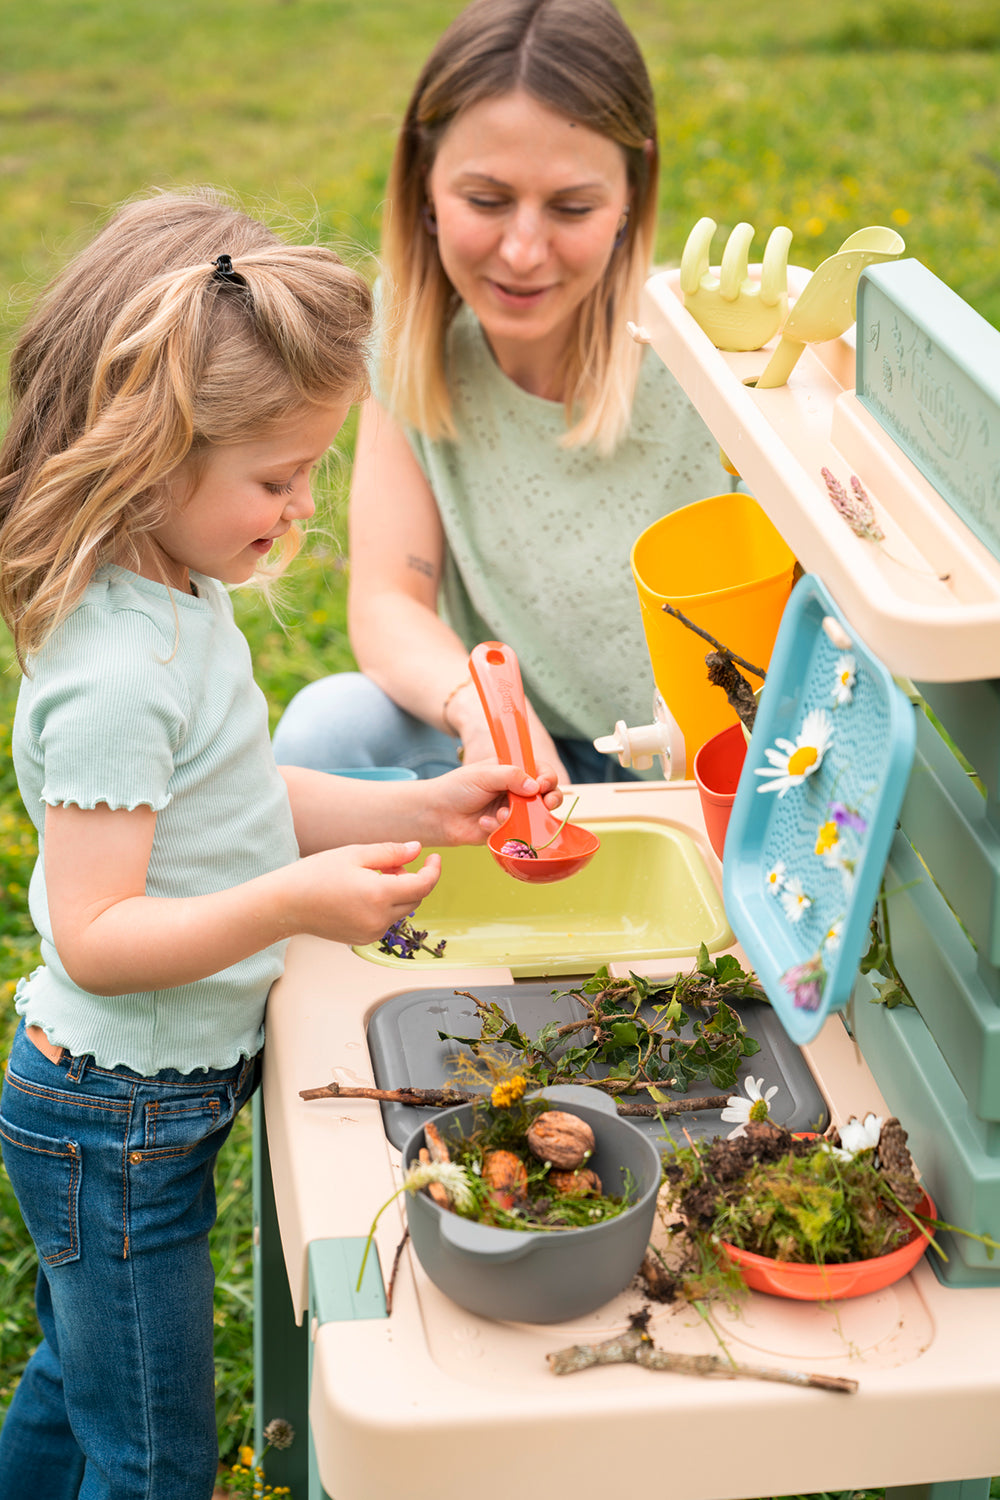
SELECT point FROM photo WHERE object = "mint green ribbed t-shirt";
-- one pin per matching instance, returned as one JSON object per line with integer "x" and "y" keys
{"x": 538, "y": 537}
{"x": 145, "y": 696}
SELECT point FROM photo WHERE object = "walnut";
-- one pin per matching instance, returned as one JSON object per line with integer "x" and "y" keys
{"x": 506, "y": 1177}
{"x": 563, "y": 1140}
{"x": 578, "y": 1184}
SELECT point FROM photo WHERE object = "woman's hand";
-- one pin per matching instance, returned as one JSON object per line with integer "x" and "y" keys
{"x": 467, "y": 805}
{"x": 468, "y": 719}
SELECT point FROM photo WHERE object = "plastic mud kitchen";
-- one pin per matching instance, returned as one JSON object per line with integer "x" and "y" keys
{"x": 860, "y": 576}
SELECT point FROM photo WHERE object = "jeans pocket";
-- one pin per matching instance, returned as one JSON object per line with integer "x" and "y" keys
{"x": 172, "y": 1127}
{"x": 45, "y": 1174}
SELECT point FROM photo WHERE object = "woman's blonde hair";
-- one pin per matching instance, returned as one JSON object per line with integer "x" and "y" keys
{"x": 579, "y": 58}
{"x": 142, "y": 354}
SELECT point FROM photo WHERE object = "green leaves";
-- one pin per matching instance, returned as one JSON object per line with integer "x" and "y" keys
{"x": 633, "y": 1034}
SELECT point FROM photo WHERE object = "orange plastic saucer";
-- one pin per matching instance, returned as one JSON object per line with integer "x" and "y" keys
{"x": 783, "y": 1278}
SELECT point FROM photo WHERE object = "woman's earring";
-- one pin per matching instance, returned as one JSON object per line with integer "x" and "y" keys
{"x": 428, "y": 219}
{"x": 622, "y": 234}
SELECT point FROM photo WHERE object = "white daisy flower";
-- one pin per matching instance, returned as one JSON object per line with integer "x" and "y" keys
{"x": 776, "y": 876}
{"x": 861, "y": 1135}
{"x": 792, "y": 763}
{"x": 833, "y": 933}
{"x": 794, "y": 900}
{"x": 845, "y": 676}
{"x": 858, "y": 1135}
{"x": 756, "y": 1106}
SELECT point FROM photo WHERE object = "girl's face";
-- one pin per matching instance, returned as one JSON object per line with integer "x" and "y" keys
{"x": 528, "y": 204}
{"x": 244, "y": 497}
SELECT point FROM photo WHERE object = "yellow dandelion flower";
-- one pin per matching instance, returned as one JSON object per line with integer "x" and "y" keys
{"x": 827, "y": 837}
{"x": 508, "y": 1091}
{"x": 246, "y": 1457}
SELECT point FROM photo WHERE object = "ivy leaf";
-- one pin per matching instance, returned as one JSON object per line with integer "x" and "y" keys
{"x": 657, "y": 1095}
{"x": 705, "y": 965}
{"x": 891, "y": 993}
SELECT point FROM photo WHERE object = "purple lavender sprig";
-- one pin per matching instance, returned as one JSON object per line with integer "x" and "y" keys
{"x": 857, "y": 509}
{"x": 403, "y": 940}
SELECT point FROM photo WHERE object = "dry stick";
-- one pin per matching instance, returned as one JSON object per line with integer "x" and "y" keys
{"x": 443, "y": 1098}
{"x": 395, "y": 1267}
{"x": 677, "y": 615}
{"x": 636, "y": 1347}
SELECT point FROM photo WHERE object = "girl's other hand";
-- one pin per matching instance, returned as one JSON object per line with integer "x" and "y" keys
{"x": 354, "y": 894}
{"x": 467, "y": 805}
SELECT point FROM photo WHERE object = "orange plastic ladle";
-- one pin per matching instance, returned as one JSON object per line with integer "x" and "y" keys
{"x": 495, "y": 671}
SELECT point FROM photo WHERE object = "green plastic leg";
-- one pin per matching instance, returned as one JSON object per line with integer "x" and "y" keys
{"x": 950, "y": 1489}
{"x": 335, "y": 1297}
{"x": 280, "y": 1346}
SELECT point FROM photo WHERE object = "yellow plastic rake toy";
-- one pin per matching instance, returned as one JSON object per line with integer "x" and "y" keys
{"x": 735, "y": 310}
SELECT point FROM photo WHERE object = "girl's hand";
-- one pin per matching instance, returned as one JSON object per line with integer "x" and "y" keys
{"x": 467, "y": 805}
{"x": 354, "y": 894}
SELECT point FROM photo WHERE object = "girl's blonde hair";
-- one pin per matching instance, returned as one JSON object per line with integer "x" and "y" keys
{"x": 579, "y": 58}
{"x": 142, "y": 354}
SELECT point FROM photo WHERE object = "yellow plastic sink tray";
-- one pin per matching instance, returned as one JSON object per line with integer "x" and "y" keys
{"x": 646, "y": 894}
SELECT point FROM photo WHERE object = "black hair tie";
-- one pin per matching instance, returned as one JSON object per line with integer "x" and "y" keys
{"x": 224, "y": 271}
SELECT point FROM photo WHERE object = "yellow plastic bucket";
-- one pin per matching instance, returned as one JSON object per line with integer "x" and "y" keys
{"x": 724, "y": 565}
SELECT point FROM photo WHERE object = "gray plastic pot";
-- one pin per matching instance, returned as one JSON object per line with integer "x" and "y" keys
{"x": 546, "y": 1276}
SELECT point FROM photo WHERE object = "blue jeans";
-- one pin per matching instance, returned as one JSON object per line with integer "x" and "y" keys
{"x": 114, "y": 1174}
{"x": 347, "y": 721}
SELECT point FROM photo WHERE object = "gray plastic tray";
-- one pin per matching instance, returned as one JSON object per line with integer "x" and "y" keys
{"x": 407, "y": 1051}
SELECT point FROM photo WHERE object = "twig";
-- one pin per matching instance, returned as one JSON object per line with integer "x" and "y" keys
{"x": 636, "y": 1347}
{"x": 722, "y": 673}
{"x": 427, "y": 1098}
{"x": 444, "y": 1098}
{"x": 740, "y": 661}
{"x": 395, "y": 1267}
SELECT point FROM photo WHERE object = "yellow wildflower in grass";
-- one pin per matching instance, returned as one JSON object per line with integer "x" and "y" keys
{"x": 508, "y": 1091}
{"x": 246, "y": 1456}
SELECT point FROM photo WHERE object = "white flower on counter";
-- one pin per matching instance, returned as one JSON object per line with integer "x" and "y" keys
{"x": 791, "y": 764}
{"x": 756, "y": 1106}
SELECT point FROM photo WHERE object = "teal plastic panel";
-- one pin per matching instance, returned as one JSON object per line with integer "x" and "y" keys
{"x": 945, "y": 817}
{"x": 334, "y": 1296}
{"x": 803, "y": 863}
{"x": 970, "y": 711}
{"x": 928, "y": 369}
{"x": 939, "y": 968}
{"x": 945, "y": 1139}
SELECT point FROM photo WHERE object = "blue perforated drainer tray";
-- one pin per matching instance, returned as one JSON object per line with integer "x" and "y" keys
{"x": 803, "y": 863}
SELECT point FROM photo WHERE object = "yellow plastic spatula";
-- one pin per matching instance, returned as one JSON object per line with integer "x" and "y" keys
{"x": 827, "y": 306}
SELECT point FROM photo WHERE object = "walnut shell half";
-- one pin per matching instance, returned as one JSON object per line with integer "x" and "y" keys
{"x": 563, "y": 1140}
{"x": 580, "y": 1183}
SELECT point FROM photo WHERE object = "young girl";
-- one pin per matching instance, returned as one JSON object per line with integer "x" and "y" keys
{"x": 518, "y": 440}
{"x": 171, "y": 397}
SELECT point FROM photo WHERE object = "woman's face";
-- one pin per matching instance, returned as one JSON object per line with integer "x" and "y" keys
{"x": 528, "y": 204}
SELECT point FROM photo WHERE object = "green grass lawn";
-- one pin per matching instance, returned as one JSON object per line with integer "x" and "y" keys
{"x": 824, "y": 118}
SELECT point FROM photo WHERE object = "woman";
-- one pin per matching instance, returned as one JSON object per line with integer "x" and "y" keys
{"x": 518, "y": 441}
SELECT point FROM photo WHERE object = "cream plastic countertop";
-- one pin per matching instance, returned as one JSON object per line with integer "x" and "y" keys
{"x": 438, "y": 1404}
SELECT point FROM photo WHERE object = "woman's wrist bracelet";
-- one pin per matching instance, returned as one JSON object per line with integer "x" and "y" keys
{"x": 449, "y": 726}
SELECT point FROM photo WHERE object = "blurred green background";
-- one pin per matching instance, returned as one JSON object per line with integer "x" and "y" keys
{"x": 822, "y": 117}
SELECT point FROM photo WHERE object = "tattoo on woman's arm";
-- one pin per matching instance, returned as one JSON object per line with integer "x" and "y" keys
{"x": 420, "y": 565}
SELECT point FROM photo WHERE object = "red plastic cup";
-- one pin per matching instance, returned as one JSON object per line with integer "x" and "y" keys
{"x": 717, "y": 768}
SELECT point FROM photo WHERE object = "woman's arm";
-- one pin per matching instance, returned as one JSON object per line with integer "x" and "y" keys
{"x": 113, "y": 939}
{"x": 397, "y": 556}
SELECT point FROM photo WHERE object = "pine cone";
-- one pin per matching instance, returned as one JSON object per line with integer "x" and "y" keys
{"x": 896, "y": 1163}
